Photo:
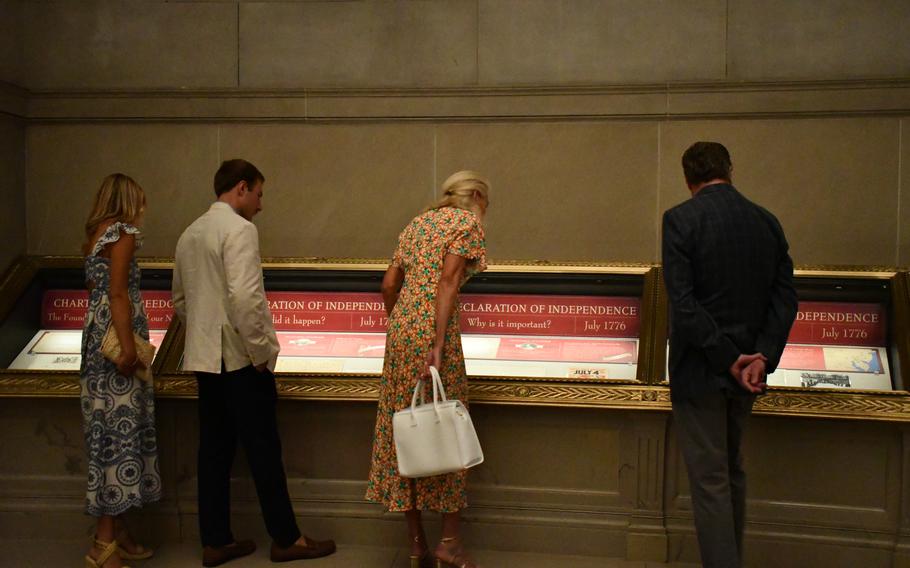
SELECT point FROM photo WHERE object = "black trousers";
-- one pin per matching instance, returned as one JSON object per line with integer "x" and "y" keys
{"x": 240, "y": 405}
{"x": 710, "y": 431}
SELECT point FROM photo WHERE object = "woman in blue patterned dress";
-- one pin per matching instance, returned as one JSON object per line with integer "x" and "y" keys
{"x": 118, "y": 409}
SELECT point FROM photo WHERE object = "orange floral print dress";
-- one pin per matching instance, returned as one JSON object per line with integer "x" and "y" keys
{"x": 422, "y": 246}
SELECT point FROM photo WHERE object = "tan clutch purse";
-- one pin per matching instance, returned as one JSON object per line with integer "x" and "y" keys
{"x": 110, "y": 348}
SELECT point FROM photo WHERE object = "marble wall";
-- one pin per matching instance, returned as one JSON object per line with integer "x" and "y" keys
{"x": 565, "y": 190}
{"x": 108, "y": 44}
{"x": 576, "y": 110}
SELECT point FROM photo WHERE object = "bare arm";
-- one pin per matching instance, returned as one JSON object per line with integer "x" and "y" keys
{"x": 453, "y": 267}
{"x": 121, "y": 310}
{"x": 391, "y": 285}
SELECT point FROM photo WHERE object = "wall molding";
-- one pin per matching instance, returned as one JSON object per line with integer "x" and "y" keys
{"x": 336, "y": 507}
{"x": 583, "y": 102}
{"x": 888, "y": 406}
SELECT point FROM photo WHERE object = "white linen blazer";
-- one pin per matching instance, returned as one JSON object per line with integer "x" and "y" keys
{"x": 219, "y": 295}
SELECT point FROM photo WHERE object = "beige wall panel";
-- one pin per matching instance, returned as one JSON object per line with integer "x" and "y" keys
{"x": 337, "y": 439}
{"x": 839, "y": 39}
{"x": 523, "y": 445}
{"x": 41, "y": 438}
{"x": 12, "y": 185}
{"x": 561, "y": 191}
{"x": 66, "y": 163}
{"x": 105, "y": 44}
{"x": 904, "y": 226}
{"x": 336, "y": 191}
{"x": 358, "y": 44}
{"x": 595, "y": 41}
{"x": 832, "y": 183}
{"x": 326, "y": 447}
{"x": 797, "y": 473}
{"x": 810, "y": 469}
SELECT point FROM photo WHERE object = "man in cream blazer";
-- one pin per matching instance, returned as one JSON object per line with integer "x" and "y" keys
{"x": 231, "y": 345}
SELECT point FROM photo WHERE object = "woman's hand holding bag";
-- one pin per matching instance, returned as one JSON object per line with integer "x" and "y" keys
{"x": 434, "y": 438}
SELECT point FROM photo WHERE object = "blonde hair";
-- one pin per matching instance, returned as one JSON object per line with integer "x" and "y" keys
{"x": 458, "y": 191}
{"x": 118, "y": 199}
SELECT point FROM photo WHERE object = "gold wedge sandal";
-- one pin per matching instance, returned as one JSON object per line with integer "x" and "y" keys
{"x": 141, "y": 554}
{"x": 122, "y": 530}
{"x": 108, "y": 549}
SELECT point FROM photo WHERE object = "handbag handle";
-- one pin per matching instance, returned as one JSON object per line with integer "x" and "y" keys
{"x": 417, "y": 389}
{"x": 439, "y": 395}
{"x": 438, "y": 391}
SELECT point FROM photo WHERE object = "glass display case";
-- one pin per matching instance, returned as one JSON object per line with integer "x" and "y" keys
{"x": 845, "y": 349}
{"x": 503, "y": 335}
{"x": 523, "y": 327}
{"x": 583, "y": 334}
{"x": 840, "y": 345}
{"x": 56, "y": 346}
{"x": 42, "y": 309}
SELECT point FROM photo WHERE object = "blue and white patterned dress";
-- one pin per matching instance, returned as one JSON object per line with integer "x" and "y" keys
{"x": 118, "y": 413}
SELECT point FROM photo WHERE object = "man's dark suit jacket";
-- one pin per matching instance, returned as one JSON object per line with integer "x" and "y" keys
{"x": 730, "y": 282}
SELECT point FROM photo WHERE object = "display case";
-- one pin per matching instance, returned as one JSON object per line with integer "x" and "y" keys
{"x": 42, "y": 309}
{"x": 845, "y": 349}
{"x": 582, "y": 334}
{"x": 532, "y": 334}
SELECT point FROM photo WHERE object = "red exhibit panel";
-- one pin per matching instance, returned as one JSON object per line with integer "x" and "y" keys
{"x": 575, "y": 316}
{"x": 494, "y": 314}
{"x": 331, "y": 345}
{"x": 840, "y": 323}
{"x": 65, "y": 309}
{"x": 567, "y": 350}
{"x": 803, "y": 357}
{"x": 58, "y": 345}
{"x": 503, "y": 335}
{"x": 836, "y": 345}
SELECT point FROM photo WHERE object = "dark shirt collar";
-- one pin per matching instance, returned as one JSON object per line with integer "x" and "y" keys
{"x": 713, "y": 188}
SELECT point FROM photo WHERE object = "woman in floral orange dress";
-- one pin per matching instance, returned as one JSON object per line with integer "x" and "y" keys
{"x": 437, "y": 252}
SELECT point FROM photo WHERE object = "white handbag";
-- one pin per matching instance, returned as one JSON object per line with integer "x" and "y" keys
{"x": 437, "y": 438}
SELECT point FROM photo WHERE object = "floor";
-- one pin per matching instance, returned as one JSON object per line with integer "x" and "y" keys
{"x": 43, "y": 554}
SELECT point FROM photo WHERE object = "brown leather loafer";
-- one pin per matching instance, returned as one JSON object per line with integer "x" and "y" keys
{"x": 218, "y": 555}
{"x": 313, "y": 549}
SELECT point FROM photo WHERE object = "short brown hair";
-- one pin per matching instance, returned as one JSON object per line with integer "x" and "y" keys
{"x": 233, "y": 172}
{"x": 704, "y": 161}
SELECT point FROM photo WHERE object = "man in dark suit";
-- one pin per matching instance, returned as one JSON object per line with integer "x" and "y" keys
{"x": 729, "y": 278}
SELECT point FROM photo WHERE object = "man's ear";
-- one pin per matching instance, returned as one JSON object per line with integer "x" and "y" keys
{"x": 241, "y": 185}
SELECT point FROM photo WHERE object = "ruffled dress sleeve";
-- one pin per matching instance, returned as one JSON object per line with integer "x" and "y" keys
{"x": 468, "y": 241}
{"x": 112, "y": 235}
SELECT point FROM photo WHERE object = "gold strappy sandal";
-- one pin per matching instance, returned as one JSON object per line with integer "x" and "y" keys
{"x": 108, "y": 549}
{"x": 425, "y": 560}
{"x": 458, "y": 560}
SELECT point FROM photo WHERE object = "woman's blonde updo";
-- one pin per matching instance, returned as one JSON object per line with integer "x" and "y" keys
{"x": 460, "y": 190}
{"x": 119, "y": 198}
